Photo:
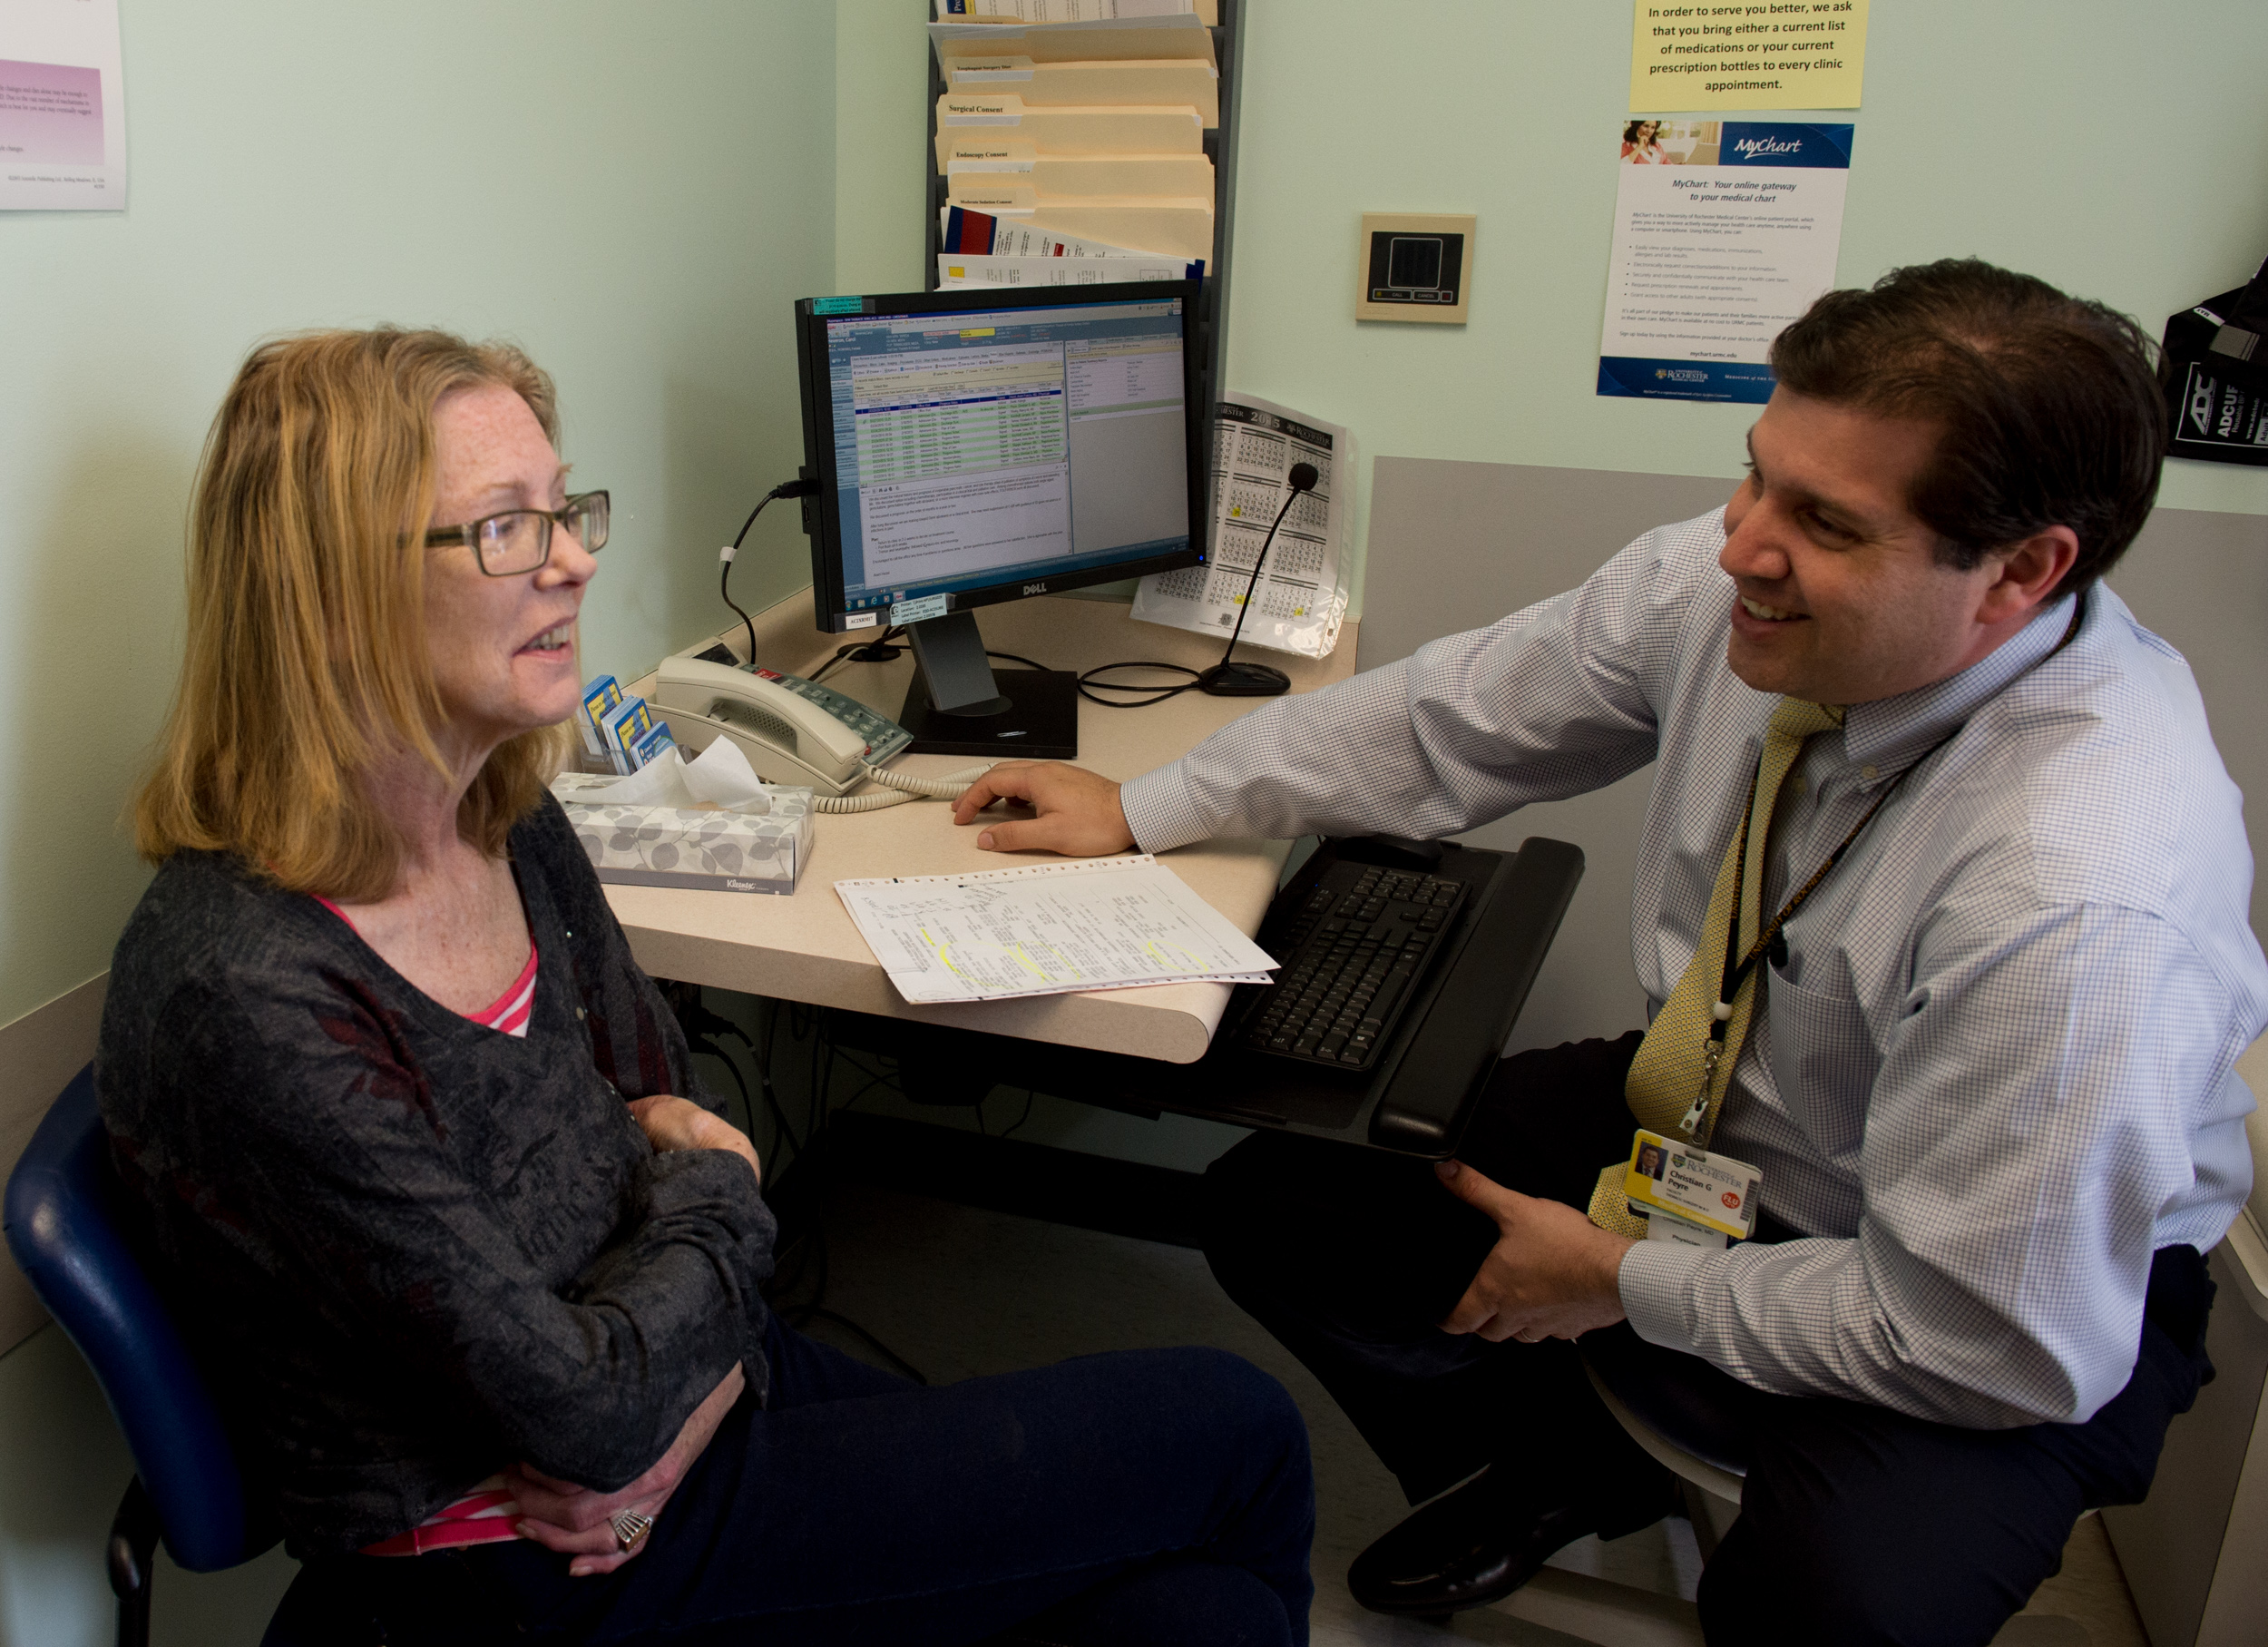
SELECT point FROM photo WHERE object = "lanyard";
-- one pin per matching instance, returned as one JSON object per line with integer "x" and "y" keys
{"x": 1737, "y": 966}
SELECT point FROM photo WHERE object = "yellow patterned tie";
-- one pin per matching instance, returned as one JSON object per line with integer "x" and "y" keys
{"x": 1668, "y": 1072}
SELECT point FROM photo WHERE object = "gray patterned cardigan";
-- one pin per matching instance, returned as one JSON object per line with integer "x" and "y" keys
{"x": 410, "y": 1249}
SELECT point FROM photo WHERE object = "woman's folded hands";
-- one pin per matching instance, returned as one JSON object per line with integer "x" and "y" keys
{"x": 679, "y": 1124}
{"x": 578, "y": 1521}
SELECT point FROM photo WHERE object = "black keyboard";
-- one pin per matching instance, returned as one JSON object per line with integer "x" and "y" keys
{"x": 1360, "y": 939}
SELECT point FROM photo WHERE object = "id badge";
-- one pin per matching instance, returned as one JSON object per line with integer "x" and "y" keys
{"x": 1696, "y": 1187}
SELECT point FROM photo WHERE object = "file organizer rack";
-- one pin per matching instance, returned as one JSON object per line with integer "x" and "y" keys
{"x": 1220, "y": 148}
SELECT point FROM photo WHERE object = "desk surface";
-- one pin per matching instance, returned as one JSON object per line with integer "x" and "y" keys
{"x": 804, "y": 947}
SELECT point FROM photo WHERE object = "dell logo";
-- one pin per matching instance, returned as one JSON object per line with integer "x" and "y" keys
{"x": 1017, "y": 734}
{"x": 1035, "y": 588}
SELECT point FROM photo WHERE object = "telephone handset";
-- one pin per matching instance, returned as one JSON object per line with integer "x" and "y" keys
{"x": 793, "y": 730}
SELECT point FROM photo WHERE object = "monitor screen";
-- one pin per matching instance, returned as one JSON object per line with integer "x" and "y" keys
{"x": 975, "y": 447}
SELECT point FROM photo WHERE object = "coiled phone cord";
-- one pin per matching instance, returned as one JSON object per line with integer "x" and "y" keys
{"x": 903, "y": 787}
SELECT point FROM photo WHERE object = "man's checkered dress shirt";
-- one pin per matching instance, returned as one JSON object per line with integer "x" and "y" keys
{"x": 1996, "y": 1072}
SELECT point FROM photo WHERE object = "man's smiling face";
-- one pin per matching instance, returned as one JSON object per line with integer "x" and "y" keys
{"x": 1840, "y": 596}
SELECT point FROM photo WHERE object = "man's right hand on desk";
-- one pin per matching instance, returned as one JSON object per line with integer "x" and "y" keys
{"x": 1079, "y": 811}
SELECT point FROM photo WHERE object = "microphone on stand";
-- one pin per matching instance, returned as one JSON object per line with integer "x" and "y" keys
{"x": 1227, "y": 680}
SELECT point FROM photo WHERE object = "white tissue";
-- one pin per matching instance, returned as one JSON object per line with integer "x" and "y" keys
{"x": 722, "y": 774}
{"x": 660, "y": 782}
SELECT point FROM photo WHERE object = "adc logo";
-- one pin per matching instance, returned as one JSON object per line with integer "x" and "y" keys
{"x": 2201, "y": 401}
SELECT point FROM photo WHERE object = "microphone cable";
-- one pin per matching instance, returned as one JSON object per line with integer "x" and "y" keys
{"x": 1224, "y": 679}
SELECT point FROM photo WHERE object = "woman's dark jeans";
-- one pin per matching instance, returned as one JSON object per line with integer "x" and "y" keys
{"x": 1140, "y": 1496}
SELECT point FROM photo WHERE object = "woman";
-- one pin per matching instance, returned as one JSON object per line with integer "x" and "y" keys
{"x": 469, "y": 1251}
{"x": 1640, "y": 146}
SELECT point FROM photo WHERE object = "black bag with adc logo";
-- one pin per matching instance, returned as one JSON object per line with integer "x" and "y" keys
{"x": 2216, "y": 370}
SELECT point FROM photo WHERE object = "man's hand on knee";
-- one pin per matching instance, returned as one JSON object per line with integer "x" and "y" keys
{"x": 1552, "y": 1273}
{"x": 1079, "y": 811}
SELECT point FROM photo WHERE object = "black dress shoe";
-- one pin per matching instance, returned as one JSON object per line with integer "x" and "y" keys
{"x": 1467, "y": 1548}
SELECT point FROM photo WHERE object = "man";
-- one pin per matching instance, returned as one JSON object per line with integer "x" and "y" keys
{"x": 1942, "y": 855}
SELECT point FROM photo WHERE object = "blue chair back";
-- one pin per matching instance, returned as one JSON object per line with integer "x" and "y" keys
{"x": 71, "y": 1229}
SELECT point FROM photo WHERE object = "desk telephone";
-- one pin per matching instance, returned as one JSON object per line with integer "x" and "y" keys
{"x": 793, "y": 730}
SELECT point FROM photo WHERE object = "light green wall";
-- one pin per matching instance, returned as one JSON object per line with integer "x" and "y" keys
{"x": 635, "y": 195}
{"x": 295, "y": 166}
{"x": 2072, "y": 139}
{"x": 881, "y": 123}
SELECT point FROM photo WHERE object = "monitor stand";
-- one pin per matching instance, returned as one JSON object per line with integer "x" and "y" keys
{"x": 957, "y": 706}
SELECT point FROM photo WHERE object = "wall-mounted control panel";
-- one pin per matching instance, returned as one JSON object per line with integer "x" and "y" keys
{"x": 1414, "y": 267}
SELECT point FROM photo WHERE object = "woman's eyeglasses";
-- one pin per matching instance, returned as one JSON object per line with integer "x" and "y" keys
{"x": 520, "y": 540}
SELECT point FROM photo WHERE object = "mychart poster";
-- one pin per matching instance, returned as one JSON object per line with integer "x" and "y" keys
{"x": 1724, "y": 231}
{"x": 1750, "y": 54}
{"x": 63, "y": 107}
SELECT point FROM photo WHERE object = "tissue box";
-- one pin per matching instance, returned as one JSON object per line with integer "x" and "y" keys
{"x": 720, "y": 851}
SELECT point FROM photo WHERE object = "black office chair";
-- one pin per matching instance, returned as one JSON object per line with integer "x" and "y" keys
{"x": 72, "y": 1231}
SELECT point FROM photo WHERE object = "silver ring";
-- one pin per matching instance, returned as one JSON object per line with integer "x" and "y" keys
{"x": 630, "y": 1529}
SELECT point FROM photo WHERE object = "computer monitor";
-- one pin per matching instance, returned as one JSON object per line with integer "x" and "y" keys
{"x": 972, "y": 446}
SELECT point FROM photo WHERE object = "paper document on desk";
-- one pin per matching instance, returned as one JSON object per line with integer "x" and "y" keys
{"x": 1301, "y": 599}
{"x": 1048, "y": 929}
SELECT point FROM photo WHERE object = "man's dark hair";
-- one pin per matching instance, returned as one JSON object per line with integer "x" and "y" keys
{"x": 2049, "y": 408}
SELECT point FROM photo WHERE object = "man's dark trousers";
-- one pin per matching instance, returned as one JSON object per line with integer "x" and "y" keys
{"x": 1858, "y": 1525}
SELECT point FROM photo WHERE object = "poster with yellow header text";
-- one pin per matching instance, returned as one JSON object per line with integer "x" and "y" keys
{"x": 1749, "y": 54}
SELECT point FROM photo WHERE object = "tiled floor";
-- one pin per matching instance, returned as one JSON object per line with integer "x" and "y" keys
{"x": 961, "y": 1292}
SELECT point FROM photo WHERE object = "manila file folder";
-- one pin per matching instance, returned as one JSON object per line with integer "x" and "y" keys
{"x": 1170, "y": 228}
{"x": 1182, "y": 176}
{"x": 1167, "y": 130}
{"x": 1150, "y": 37}
{"x": 1093, "y": 84}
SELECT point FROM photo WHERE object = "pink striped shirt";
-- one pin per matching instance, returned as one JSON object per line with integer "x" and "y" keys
{"x": 485, "y": 1515}
{"x": 509, "y": 1012}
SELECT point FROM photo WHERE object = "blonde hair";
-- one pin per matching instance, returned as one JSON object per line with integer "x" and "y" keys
{"x": 307, "y": 660}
